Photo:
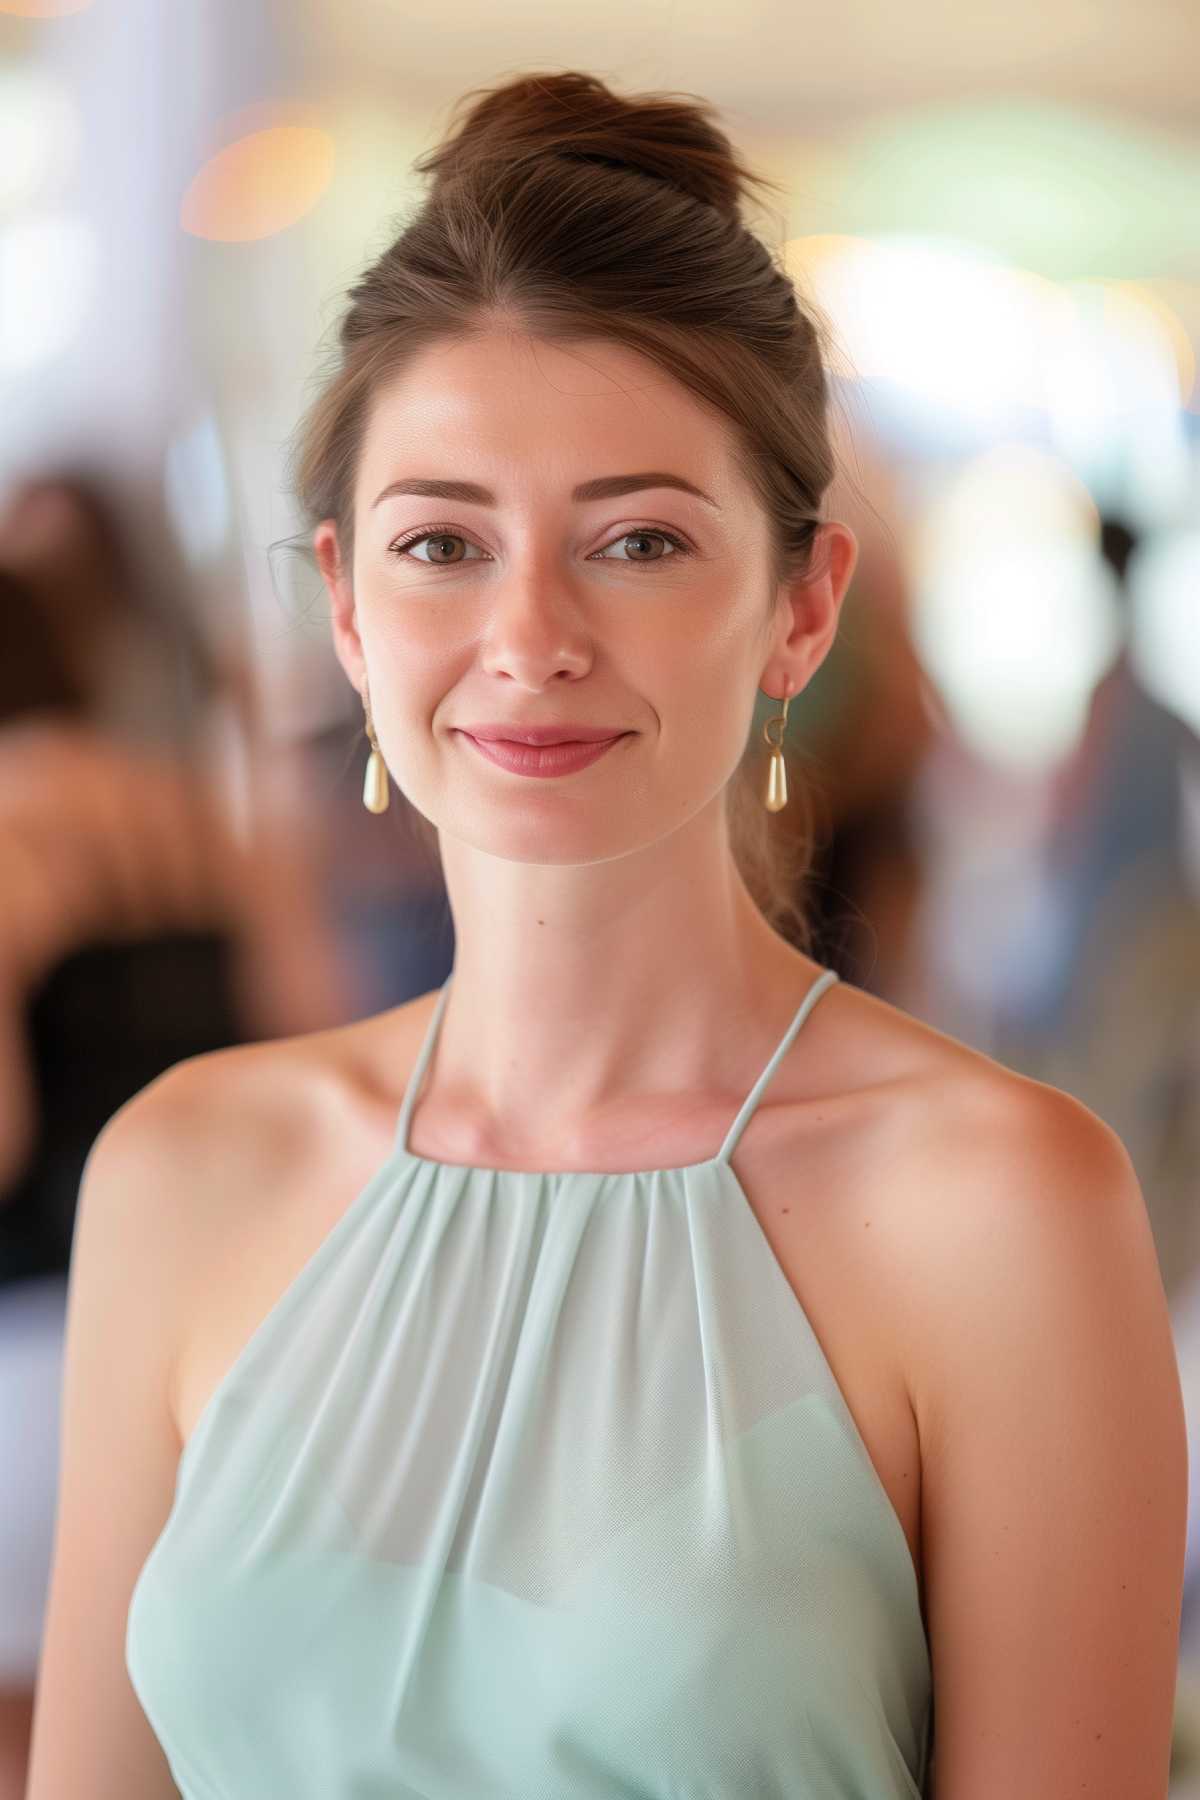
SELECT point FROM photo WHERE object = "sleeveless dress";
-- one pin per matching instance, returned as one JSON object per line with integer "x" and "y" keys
{"x": 535, "y": 1485}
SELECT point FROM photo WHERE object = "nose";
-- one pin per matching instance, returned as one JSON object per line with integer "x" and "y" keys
{"x": 535, "y": 628}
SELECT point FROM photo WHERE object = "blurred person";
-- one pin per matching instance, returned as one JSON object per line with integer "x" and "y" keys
{"x": 385, "y": 888}
{"x": 134, "y": 930}
{"x": 643, "y": 1363}
{"x": 1121, "y": 1027}
{"x": 1117, "y": 1021}
{"x": 864, "y": 732}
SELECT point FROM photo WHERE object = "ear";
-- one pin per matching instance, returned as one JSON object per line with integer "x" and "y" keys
{"x": 343, "y": 616}
{"x": 815, "y": 603}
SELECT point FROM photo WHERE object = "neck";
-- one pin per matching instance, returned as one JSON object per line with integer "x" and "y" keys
{"x": 583, "y": 992}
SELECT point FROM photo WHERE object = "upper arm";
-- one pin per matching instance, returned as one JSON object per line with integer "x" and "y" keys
{"x": 119, "y": 1450}
{"x": 1054, "y": 1465}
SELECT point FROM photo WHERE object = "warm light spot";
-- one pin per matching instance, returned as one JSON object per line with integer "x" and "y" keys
{"x": 259, "y": 185}
{"x": 805, "y": 255}
{"x": 43, "y": 9}
{"x": 808, "y": 260}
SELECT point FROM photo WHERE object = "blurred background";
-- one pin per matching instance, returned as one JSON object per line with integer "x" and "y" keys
{"x": 993, "y": 211}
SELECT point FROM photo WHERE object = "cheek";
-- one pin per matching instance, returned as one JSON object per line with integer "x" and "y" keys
{"x": 402, "y": 706}
{"x": 411, "y": 661}
{"x": 704, "y": 730}
{"x": 718, "y": 745}
{"x": 713, "y": 689}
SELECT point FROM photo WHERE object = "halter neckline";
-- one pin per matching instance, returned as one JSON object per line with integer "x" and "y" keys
{"x": 825, "y": 980}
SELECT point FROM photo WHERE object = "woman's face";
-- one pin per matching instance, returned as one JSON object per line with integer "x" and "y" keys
{"x": 511, "y": 597}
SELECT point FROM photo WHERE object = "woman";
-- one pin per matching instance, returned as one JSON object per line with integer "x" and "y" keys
{"x": 645, "y": 1364}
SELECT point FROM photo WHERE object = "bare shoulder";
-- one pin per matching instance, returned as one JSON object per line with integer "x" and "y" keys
{"x": 249, "y": 1153}
{"x": 1016, "y": 1229}
{"x": 986, "y": 1148}
{"x": 1026, "y": 1206}
{"x": 974, "y": 1172}
{"x": 951, "y": 1113}
{"x": 250, "y": 1109}
{"x": 1038, "y": 1348}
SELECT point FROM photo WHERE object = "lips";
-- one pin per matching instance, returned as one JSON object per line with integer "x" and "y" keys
{"x": 563, "y": 758}
{"x": 543, "y": 734}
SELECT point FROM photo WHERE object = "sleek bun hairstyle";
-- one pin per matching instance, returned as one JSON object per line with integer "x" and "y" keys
{"x": 571, "y": 212}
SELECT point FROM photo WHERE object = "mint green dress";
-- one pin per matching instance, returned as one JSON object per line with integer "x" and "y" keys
{"x": 535, "y": 1486}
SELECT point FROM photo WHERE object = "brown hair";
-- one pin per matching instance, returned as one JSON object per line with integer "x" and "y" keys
{"x": 574, "y": 213}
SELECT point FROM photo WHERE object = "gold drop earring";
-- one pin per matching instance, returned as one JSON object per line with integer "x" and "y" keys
{"x": 375, "y": 781}
{"x": 775, "y": 798}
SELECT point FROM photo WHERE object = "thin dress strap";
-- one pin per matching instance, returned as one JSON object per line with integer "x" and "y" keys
{"x": 823, "y": 981}
{"x": 418, "y": 1069}
{"x": 752, "y": 1099}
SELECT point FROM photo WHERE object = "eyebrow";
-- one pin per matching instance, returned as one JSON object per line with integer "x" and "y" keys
{"x": 601, "y": 487}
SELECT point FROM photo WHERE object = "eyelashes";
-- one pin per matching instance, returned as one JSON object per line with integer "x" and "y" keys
{"x": 680, "y": 547}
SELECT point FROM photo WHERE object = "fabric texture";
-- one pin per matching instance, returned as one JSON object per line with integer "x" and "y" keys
{"x": 535, "y": 1486}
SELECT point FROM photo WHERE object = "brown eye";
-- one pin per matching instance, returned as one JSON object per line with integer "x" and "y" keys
{"x": 442, "y": 554}
{"x": 642, "y": 538}
{"x": 441, "y": 547}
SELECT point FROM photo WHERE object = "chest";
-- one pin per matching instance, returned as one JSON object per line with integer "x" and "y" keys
{"x": 541, "y": 1487}
{"x": 816, "y": 1211}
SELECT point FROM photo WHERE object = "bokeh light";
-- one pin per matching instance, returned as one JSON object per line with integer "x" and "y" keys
{"x": 196, "y": 490}
{"x": 1014, "y": 617}
{"x": 951, "y": 323}
{"x": 1113, "y": 398}
{"x": 39, "y": 136}
{"x": 1164, "y": 585}
{"x": 43, "y": 9}
{"x": 48, "y": 264}
{"x": 260, "y": 184}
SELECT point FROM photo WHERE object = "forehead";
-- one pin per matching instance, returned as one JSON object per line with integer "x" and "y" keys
{"x": 515, "y": 411}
